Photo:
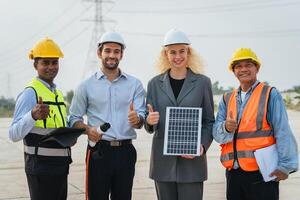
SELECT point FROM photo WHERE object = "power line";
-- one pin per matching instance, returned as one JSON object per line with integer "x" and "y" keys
{"x": 98, "y": 29}
{"x": 254, "y": 34}
{"x": 64, "y": 27}
{"x": 13, "y": 49}
{"x": 251, "y": 5}
{"x": 16, "y": 65}
{"x": 66, "y": 43}
{"x": 68, "y": 24}
{"x": 23, "y": 67}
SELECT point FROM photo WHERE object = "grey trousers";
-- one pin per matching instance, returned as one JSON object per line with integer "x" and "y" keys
{"x": 179, "y": 191}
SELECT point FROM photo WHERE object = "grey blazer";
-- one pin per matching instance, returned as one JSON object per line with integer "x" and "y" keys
{"x": 196, "y": 92}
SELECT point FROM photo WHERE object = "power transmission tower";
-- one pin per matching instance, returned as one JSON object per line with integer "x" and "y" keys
{"x": 91, "y": 62}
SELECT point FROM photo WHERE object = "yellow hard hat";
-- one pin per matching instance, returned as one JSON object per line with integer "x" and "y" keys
{"x": 243, "y": 54}
{"x": 46, "y": 48}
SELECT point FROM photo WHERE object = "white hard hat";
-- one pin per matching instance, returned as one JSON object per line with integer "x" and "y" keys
{"x": 111, "y": 37}
{"x": 175, "y": 36}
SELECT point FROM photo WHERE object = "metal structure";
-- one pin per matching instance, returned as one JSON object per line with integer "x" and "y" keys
{"x": 91, "y": 62}
{"x": 183, "y": 131}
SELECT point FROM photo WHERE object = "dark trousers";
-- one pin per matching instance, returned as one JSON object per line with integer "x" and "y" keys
{"x": 179, "y": 191}
{"x": 242, "y": 185}
{"x": 110, "y": 172}
{"x": 41, "y": 187}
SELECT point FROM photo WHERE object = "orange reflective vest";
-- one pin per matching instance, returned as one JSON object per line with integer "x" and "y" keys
{"x": 253, "y": 132}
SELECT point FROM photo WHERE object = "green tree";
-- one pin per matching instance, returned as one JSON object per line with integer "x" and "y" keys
{"x": 287, "y": 100}
{"x": 7, "y": 107}
{"x": 216, "y": 89}
{"x": 297, "y": 90}
{"x": 69, "y": 96}
{"x": 68, "y": 99}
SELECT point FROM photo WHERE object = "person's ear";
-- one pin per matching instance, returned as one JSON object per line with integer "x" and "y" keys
{"x": 99, "y": 53}
{"x": 122, "y": 51}
{"x": 35, "y": 63}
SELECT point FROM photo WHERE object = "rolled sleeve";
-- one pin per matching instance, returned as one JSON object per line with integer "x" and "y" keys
{"x": 219, "y": 131}
{"x": 23, "y": 121}
{"x": 287, "y": 148}
{"x": 78, "y": 106}
{"x": 139, "y": 101}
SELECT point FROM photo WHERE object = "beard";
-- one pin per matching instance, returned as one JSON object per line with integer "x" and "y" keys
{"x": 106, "y": 64}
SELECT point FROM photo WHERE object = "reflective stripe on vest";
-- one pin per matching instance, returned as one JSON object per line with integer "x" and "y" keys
{"x": 241, "y": 154}
{"x": 257, "y": 134}
{"x": 253, "y": 132}
{"x": 46, "y": 151}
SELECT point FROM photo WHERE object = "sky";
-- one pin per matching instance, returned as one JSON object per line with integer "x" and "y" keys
{"x": 216, "y": 28}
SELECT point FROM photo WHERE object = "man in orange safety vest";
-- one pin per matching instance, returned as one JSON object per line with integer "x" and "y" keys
{"x": 250, "y": 118}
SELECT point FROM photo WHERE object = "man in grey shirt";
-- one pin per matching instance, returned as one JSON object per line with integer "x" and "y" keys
{"x": 109, "y": 96}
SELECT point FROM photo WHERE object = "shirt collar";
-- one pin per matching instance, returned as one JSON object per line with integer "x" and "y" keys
{"x": 250, "y": 89}
{"x": 52, "y": 88}
{"x": 100, "y": 74}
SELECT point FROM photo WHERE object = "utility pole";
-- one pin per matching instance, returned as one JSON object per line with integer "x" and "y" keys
{"x": 91, "y": 62}
{"x": 8, "y": 86}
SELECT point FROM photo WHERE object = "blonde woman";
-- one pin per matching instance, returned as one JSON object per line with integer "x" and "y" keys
{"x": 180, "y": 84}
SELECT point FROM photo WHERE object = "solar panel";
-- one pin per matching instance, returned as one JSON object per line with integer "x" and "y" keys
{"x": 183, "y": 131}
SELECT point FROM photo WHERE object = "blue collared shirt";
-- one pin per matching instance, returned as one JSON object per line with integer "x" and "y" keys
{"x": 23, "y": 122}
{"x": 108, "y": 101}
{"x": 278, "y": 119}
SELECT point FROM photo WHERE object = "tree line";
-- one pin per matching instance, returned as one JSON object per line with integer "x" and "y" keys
{"x": 7, "y": 105}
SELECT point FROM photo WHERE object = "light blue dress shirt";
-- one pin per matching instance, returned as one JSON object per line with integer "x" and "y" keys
{"x": 103, "y": 101}
{"x": 278, "y": 119}
{"x": 23, "y": 122}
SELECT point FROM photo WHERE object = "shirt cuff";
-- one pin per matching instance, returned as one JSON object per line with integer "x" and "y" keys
{"x": 29, "y": 119}
{"x": 224, "y": 128}
{"x": 150, "y": 128}
{"x": 141, "y": 121}
{"x": 224, "y": 135}
{"x": 284, "y": 170}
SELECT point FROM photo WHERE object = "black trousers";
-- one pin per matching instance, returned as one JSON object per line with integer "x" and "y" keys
{"x": 44, "y": 187}
{"x": 110, "y": 172}
{"x": 242, "y": 185}
{"x": 179, "y": 191}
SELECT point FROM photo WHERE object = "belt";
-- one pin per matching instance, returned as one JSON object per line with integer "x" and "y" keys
{"x": 115, "y": 143}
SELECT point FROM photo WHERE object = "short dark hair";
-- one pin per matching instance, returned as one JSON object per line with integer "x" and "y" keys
{"x": 100, "y": 46}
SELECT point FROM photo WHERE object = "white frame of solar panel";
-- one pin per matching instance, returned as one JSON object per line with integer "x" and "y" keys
{"x": 183, "y": 130}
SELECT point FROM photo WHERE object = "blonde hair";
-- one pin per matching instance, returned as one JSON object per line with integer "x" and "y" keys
{"x": 195, "y": 62}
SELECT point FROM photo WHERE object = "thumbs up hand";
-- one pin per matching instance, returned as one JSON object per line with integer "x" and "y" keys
{"x": 133, "y": 117}
{"x": 153, "y": 117}
{"x": 230, "y": 123}
{"x": 40, "y": 110}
